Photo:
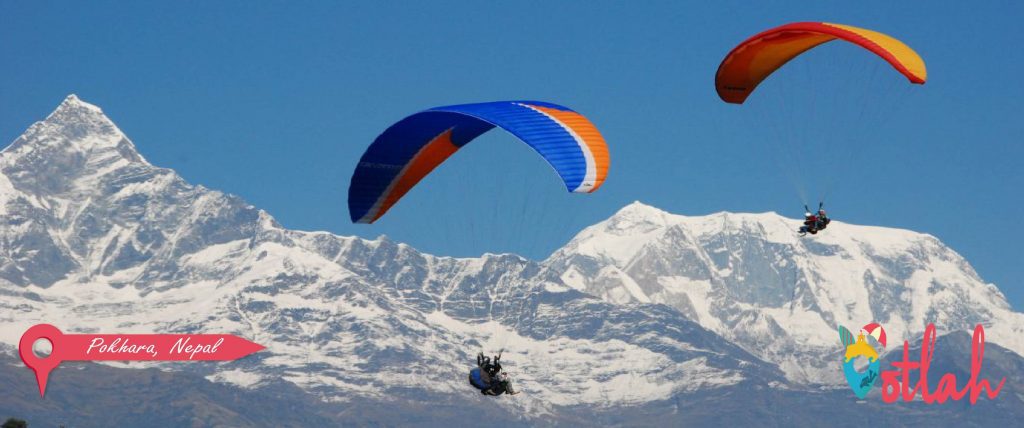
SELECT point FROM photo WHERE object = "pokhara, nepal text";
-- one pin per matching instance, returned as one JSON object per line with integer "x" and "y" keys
{"x": 896, "y": 383}
{"x": 122, "y": 346}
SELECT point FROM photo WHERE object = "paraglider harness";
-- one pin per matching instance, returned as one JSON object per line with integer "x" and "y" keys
{"x": 489, "y": 378}
{"x": 813, "y": 223}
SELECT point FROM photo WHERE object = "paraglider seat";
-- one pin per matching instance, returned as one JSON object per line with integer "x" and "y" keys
{"x": 476, "y": 378}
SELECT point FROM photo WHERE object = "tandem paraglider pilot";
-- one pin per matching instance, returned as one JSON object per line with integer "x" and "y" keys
{"x": 489, "y": 378}
{"x": 814, "y": 223}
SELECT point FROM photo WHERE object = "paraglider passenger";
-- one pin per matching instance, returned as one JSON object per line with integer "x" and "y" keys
{"x": 810, "y": 224}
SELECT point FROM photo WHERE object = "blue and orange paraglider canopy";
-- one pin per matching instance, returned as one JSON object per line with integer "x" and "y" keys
{"x": 411, "y": 148}
{"x": 759, "y": 56}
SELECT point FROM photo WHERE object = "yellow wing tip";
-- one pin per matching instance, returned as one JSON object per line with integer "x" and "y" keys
{"x": 907, "y": 57}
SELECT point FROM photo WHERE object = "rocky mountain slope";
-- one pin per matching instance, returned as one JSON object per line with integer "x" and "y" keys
{"x": 647, "y": 313}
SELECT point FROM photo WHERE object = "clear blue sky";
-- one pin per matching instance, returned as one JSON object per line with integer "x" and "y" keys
{"x": 276, "y": 102}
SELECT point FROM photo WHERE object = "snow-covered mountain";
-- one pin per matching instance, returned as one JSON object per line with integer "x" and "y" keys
{"x": 97, "y": 239}
{"x": 753, "y": 280}
{"x": 94, "y": 238}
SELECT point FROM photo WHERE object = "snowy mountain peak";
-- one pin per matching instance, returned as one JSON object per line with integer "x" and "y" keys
{"x": 78, "y": 120}
{"x": 619, "y": 238}
{"x": 751, "y": 276}
{"x": 70, "y": 152}
{"x": 73, "y": 102}
{"x": 634, "y": 216}
{"x": 642, "y": 216}
{"x": 638, "y": 209}
{"x": 76, "y": 131}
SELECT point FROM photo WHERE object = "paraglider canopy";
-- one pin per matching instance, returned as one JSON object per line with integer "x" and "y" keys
{"x": 756, "y": 58}
{"x": 816, "y": 119}
{"x": 411, "y": 148}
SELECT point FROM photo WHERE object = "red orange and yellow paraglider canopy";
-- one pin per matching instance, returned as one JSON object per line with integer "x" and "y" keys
{"x": 756, "y": 58}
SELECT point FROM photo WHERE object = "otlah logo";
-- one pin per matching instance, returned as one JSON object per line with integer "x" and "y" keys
{"x": 861, "y": 383}
{"x": 896, "y": 384}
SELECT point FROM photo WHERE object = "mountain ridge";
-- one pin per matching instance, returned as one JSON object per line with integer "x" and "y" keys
{"x": 131, "y": 246}
{"x": 641, "y": 308}
{"x": 751, "y": 278}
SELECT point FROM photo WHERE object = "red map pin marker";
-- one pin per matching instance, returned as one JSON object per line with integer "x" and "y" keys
{"x": 127, "y": 347}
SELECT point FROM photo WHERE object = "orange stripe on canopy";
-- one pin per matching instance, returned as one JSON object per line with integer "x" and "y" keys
{"x": 429, "y": 157}
{"x": 583, "y": 129}
{"x": 756, "y": 58}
